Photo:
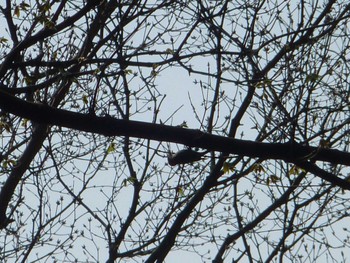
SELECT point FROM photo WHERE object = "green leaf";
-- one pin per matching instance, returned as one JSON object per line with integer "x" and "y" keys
{"x": 169, "y": 51}
{"x": 312, "y": 77}
{"x": 228, "y": 167}
{"x": 3, "y": 40}
{"x": 49, "y": 24}
{"x": 128, "y": 71}
{"x": 130, "y": 179}
{"x": 263, "y": 83}
{"x": 85, "y": 99}
{"x": 24, "y": 123}
{"x": 274, "y": 178}
{"x": 24, "y": 6}
{"x": 8, "y": 163}
{"x": 295, "y": 170}
{"x": 5, "y": 125}
{"x": 16, "y": 12}
{"x": 111, "y": 148}
{"x": 258, "y": 168}
{"x": 180, "y": 191}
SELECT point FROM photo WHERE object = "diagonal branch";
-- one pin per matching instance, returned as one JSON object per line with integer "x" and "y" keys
{"x": 284, "y": 198}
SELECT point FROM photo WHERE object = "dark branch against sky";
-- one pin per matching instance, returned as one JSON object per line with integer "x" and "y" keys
{"x": 109, "y": 126}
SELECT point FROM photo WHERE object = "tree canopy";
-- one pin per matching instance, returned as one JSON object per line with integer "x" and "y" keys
{"x": 147, "y": 131}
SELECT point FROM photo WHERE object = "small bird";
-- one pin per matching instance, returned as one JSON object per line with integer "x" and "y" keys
{"x": 185, "y": 156}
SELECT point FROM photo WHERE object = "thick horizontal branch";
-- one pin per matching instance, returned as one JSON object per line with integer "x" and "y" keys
{"x": 108, "y": 126}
